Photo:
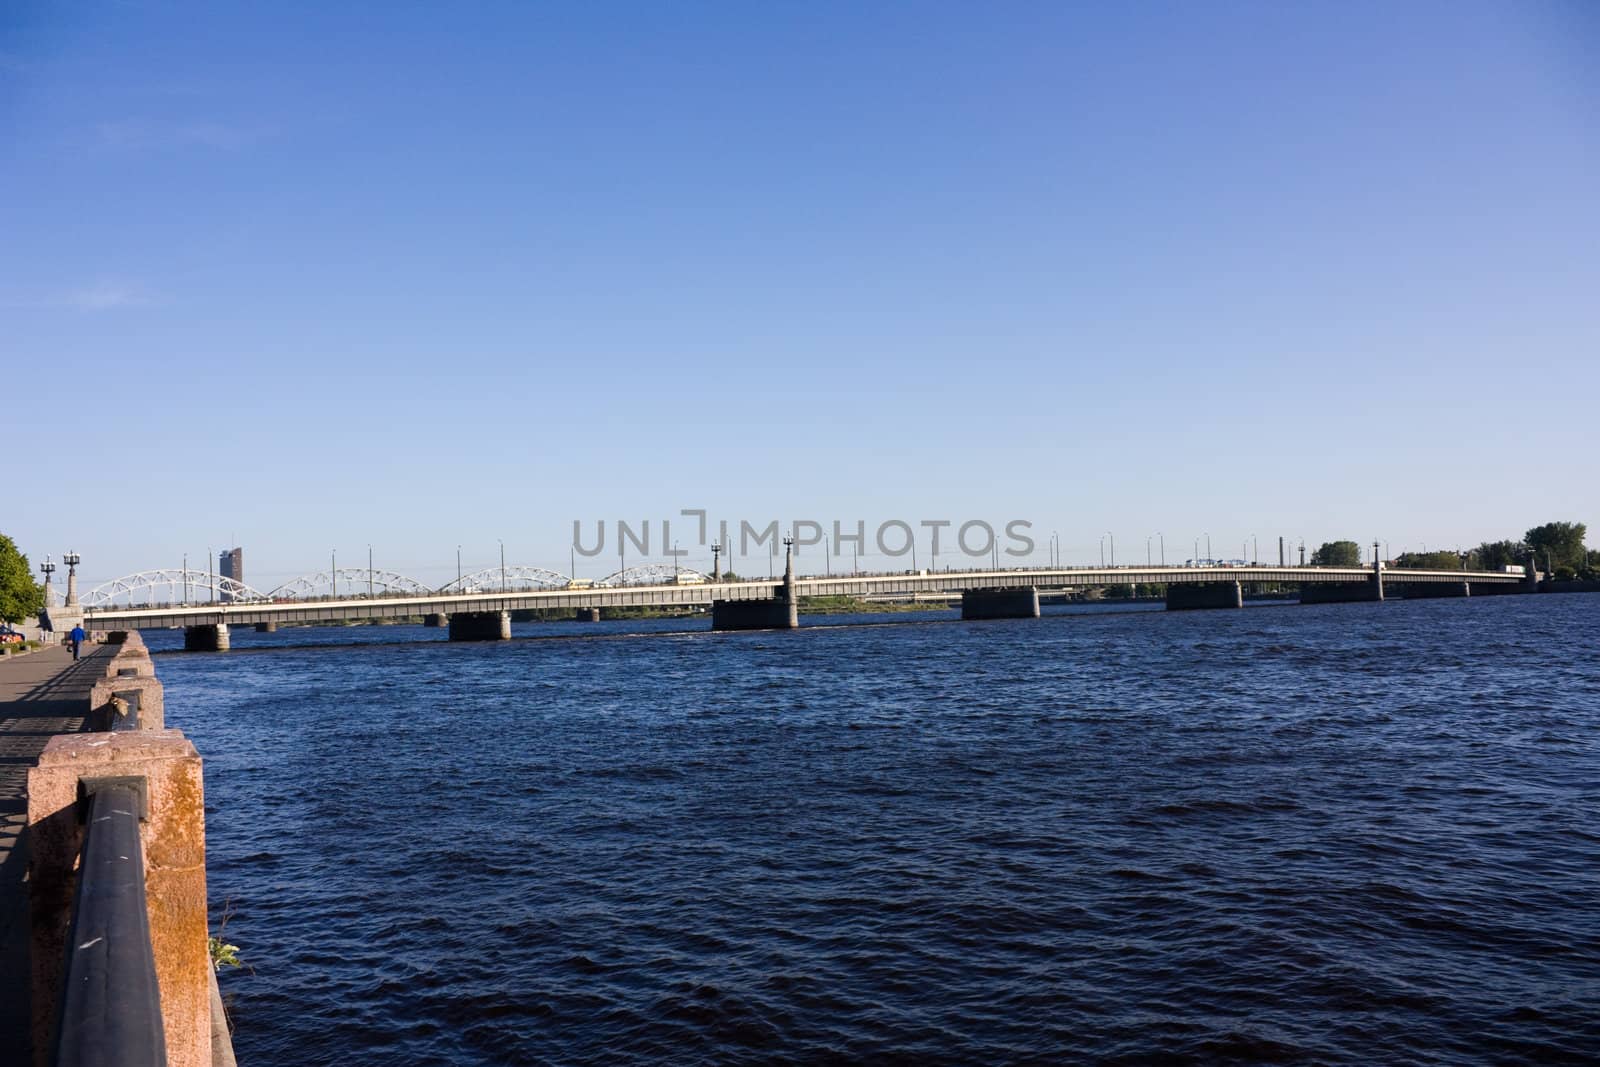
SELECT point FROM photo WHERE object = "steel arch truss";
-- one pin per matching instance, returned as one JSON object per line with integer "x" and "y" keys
{"x": 653, "y": 574}
{"x": 510, "y": 579}
{"x": 179, "y": 585}
{"x": 352, "y": 581}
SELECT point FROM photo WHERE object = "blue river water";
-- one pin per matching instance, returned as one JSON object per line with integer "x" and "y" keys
{"x": 1360, "y": 833}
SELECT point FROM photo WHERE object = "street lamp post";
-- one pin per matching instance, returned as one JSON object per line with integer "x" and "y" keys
{"x": 502, "y": 564}
{"x": 458, "y": 569}
{"x": 49, "y": 594}
{"x": 369, "y": 572}
{"x": 333, "y": 572}
{"x": 1163, "y": 539}
{"x": 71, "y": 559}
{"x": 1147, "y": 557}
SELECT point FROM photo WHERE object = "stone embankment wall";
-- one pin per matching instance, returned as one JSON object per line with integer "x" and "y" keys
{"x": 173, "y": 836}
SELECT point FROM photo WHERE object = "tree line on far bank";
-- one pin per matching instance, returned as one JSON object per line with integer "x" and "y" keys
{"x": 1556, "y": 547}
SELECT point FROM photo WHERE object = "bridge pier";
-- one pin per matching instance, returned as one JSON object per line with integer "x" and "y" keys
{"x": 266, "y": 627}
{"x": 1000, "y": 603}
{"x": 775, "y": 614}
{"x": 1201, "y": 596}
{"x": 1498, "y": 589}
{"x": 1340, "y": 592}
{"x": 1435, "y": 590}
{"x": 207, "y": 637}
{"x": 436, "y": 620}
{"x": 480, "y": 626}
{"x": 782, "y": 612}
{"x": 585, "y": 614}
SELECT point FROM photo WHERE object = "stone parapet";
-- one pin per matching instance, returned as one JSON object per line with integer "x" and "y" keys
{"x": 173, "y": 836}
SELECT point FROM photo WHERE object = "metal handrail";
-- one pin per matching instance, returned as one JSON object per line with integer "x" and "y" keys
{"x": 111, "y": 1001}
{"x": 127, "y": 717}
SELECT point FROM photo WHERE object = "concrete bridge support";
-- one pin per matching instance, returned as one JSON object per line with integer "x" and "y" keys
{"x": 586, "y": 615}
{"x": 266, "y": 627}
{"x": 207, "y": 637}
{"x": 1199, "y": 596}
{"x": 1435, "y": 590}
{"x": 1000, "y": 603}
{"x": 436, "y": 620}
{"x": 480, "y": 626}
{"x": 775, "y": 614}
{"x": 782, "y": 612}
{"x": 1340, "y": 592}
{"x": 1499, "y": 589}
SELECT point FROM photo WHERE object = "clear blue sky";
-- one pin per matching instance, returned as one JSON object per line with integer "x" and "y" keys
{"x": 314, "y": 276}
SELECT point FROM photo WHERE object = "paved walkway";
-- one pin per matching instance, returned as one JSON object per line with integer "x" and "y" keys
{"x": 41, "y": 694}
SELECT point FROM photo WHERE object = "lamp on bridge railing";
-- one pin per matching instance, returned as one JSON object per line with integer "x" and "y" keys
{"x": 48, "y": 568}
{"x": 71, "y": 559}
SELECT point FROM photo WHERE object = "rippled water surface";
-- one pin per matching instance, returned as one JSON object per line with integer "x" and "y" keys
{"x": 1352, "y": 833}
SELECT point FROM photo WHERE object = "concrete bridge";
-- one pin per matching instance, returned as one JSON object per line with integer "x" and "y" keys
{"x": 474, "y": 614}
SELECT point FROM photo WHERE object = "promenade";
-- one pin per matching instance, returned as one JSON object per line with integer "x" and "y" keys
{"x": 41, "y": 694}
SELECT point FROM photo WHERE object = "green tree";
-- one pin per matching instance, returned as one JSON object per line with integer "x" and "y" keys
{"x": 20, "y": 596}
{"x": 1337, "y": 554}
{"x": 1429, "y": 561}
{"x": 1498, "y": 555}
{"x": 1559, "y": 543}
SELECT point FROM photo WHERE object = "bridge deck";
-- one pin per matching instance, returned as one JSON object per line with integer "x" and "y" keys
{"x": 313, "y": 611}
{"x": 41, "y": 694}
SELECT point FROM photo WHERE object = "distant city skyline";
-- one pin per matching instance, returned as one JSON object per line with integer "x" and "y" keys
{"x": 417, "y": 278}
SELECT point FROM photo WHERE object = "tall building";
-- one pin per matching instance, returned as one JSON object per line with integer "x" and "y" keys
{"x": 230, "y": 564}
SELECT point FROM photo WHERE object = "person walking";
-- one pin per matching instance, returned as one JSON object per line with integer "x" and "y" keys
{"x": 77, "y": 639}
